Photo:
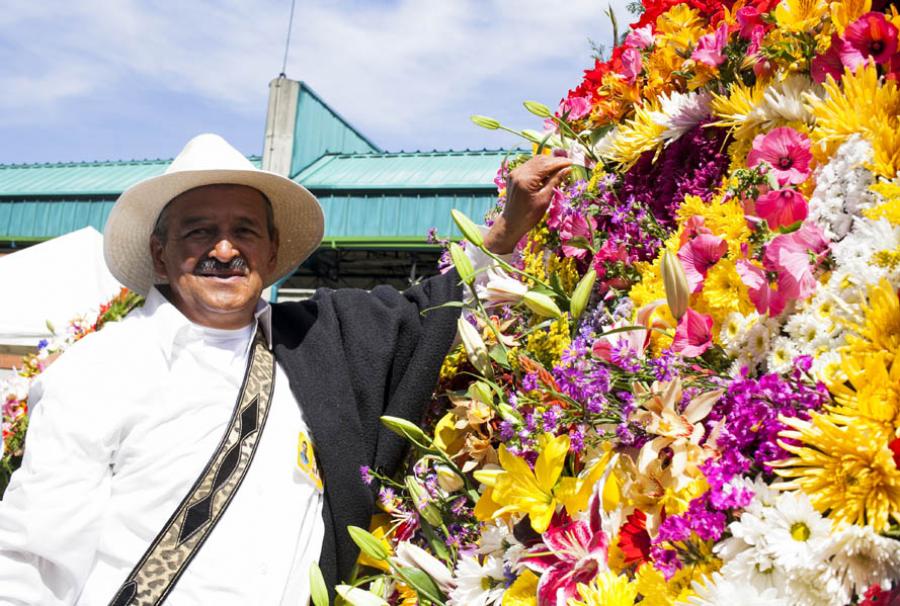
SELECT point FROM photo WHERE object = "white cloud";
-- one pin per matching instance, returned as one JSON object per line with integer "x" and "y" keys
{"x": 403, "y": 70}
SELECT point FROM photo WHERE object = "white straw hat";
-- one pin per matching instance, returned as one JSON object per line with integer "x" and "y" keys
{"x": 207, "y": 160}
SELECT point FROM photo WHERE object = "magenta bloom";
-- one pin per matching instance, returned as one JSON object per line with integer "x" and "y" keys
{"x": 709, "y": 47}
{"x": 750, "y": 20}
{"x": 578, "y": 107}
{"x": 641, "y": 37}
{"x": 790, "y": 254}
{"x": 786, "y": 151}
{"x": 631, "y": 64}
{"x": 698, "y": 255}
{"x": 870, "y": 36}
{"x": 767, "y": 300}
{"x": 572, "y": 552}
{"x": 781, "y": 207}
{"x": 830, "y": 63}
{"x": 693, "y": 335}
{"x": 576, "y": 226}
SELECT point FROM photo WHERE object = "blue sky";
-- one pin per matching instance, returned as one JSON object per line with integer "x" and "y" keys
{"x": 122, "y": 79}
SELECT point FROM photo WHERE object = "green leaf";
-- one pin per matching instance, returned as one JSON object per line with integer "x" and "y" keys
{"x": 367, "y": 543}
{"x": 422, "y": 583}
{"x": 436, "y": 543}
{"x": 318, "y": 592}
{"x": 499, "y": 355}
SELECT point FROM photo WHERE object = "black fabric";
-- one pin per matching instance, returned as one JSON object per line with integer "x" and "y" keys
{"x": 352, "y": 356}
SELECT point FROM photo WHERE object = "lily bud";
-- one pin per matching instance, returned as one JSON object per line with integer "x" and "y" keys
{"x": 462, "y": 263}
{"x": 678, "y": 292}
{"x": 318, "y": 592}
{"x": 485, "y": 122}
{"x": 532, "y": 135}
{"x": 358, "y": 597}
{"x": 425, "y": 507}
{"x": 468, "y": 228}
{"x": 538, "y": 109}
{"x": 367, "y": 543}
{"x": 541, "y": 304}
{"x": 582, "y": 293}
{"x": 481, "y": 391}
{"x": 508, "y": 413}
{"x": 475, "y": 348}
{"x": 407, "y": 429}
{"x": 416, "y": 557}
{"x": 448, "y": 479}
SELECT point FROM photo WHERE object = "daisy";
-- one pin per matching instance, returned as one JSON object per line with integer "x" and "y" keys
{"x": 797, "y": 534}
{"x": 781, "y": 355}
{"x": 733, "y": 591}
{"x": 860, "y": 557}
{"x": 478, "y": 583}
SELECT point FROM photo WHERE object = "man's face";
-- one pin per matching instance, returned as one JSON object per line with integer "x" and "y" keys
{"x": 216, "y": 254}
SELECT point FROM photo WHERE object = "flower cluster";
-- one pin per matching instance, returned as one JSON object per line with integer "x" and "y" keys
{"x": 684, "y": 387}
{"x": 14, "y": 390}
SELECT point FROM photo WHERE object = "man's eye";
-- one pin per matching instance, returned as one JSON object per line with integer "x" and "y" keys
{"x": 198, "y": 232}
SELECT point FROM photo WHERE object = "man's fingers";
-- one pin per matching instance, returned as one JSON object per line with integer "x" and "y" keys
{"x": 556, "y": 179}
{"x": 547, "y": 165}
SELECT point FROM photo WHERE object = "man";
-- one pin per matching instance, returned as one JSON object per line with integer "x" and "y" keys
{"x": 169, "y": 458}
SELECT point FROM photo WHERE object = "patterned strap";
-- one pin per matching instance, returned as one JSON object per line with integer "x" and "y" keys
{"x": 178, "y": 542}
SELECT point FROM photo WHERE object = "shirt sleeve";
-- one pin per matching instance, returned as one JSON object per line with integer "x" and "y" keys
{"x": 50, "y": 515}
{"x": 485, "y": 267}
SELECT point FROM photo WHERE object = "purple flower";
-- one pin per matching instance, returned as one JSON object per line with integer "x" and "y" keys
{"x": 365, "y": 472}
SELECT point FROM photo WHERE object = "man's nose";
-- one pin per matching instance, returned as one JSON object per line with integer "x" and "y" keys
{"x": 224, "y": 251}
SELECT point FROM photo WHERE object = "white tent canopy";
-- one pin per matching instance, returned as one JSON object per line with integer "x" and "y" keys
{"x": 54, "y": 281}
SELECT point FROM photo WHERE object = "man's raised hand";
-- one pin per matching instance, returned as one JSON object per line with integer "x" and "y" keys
{"x": 528, "y": 194}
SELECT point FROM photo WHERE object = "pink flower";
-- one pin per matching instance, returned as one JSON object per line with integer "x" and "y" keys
{"x": 781, "y": 207}
{"x": 576, "y": 226}
{"x": 631, "y": 64}
{"x": 693, "y": 227}
{"x": 698, "y": 256}
{"x": 635, "y": 340}
{"x": 870, "y": 36}
{"x": 789, "y": 255}
{"x": 571, "y": 552}
{"x": 556, "y": 210}
{"x": 577, "y": 107}
{"x": 768, "y": 300}
{"x": 750, "y": 20}
{"x": 786, "y": 151}
{"x": 830, "y": 63}
{"x": 693, "y": 335}
{"x": 709, "y": 47}
{"x": 641, "y": 37}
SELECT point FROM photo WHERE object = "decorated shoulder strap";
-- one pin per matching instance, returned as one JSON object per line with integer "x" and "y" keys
{"x": 178, "y": 542}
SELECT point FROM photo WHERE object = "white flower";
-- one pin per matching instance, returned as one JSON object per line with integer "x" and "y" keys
{"x": 814, "y": 586}
{"x": 477, "y": 583}
{"x": 826, "y": 365}
{"x": 500, "y": 288}
{"x": 867, "y": 251}
{"x": 734, "y": 331}
{"x": 416, "y": 557}
{"x": 860, "y": 557}
{"x": 358, "y": 597}
{"x": 757, "y": 342}
{"x": 783, "y": 102}
{"x": 781, "y": 355}
{"x": 680, "y": 112}
{"x": 797, "y": 533}
{"x": 719, "y": 591}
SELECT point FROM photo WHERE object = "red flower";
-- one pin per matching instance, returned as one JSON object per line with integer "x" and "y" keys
{"x": 869, "y": 36}
{"x": 634, "y": 540}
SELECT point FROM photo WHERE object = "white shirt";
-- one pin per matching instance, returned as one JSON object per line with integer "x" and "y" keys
{"x": 121, "y": 427}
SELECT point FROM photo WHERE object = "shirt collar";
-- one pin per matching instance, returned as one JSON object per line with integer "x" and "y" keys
{"x": 170, "y": 322}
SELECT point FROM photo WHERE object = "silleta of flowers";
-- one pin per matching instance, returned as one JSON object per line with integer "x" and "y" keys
{"x": 684, "y": 387}
{"x": 14, "y": 391}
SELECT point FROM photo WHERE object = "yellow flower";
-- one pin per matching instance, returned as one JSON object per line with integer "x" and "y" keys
{"x": 637, "y": 135}
{"x": 518, "y": 489}
{"x": 548, "y": 344}
{"x": 845, "y": 12}
{"x": 725, "y": 292}
{"x": 860, "y": 102}
{"x": 575, "y": 493}
{"x": 800, "y": 15}
{"x": 679, "y": 28}
{"x": 879, "y": 329}
{"x": 607, "y": 589}
{"x": 651, "y": 584}
{"x": 523, "y": 592}
{"x": 724, "y": 218}
{"x": 847, "y": 471}
{"x": 890, "y": 208}
{"x": 380, "y": 529}
{"x": 867, "y": 390}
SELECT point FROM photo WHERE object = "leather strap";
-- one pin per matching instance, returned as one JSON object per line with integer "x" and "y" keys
{"x": 187, "y": 529}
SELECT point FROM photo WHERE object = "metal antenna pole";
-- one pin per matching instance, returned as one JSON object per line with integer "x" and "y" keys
{"x": 287, "y": 42}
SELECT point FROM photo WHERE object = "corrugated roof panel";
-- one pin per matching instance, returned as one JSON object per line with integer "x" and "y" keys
{"x": 319, "y": 130}
{"x": 44, "y": 219}
{"x": 79, "y": 178}
{"x": 434, "y": 170}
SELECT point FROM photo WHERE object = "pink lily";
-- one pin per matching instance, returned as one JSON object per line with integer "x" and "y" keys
{"x": 698, "y": 255}
{"x": 571, "y": 552}
{"x": 576, "y": 226}
{"x": 767, "y": 300}
{"x": 693, "y": 335}
{"x": 709, "y": 47}
{"x": 789, "y": 255}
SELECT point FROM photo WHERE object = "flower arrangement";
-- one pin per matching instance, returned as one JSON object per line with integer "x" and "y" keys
{"x": 683, "y": 387}
{"x": 14, "y": 391}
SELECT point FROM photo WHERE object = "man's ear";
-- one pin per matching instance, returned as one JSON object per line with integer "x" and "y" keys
{"x": 156, "y": 254}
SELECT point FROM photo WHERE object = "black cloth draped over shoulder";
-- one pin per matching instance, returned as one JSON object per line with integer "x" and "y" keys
{"x": 352, "y": 356}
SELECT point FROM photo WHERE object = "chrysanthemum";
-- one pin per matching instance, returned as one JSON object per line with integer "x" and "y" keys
{"x": 781, "y": 355}
{"x": 607, "y": 589}
{"x": 867, "y": 390}
{"x": 724, "y": 218}
{"x": 860, "y": 557}
{"x": 718, "y": 590}
{"x": 637, "y": 135}
{"x": 847, "y": 471}
{"x": 879, "y": 329}
{"x": 724, "y": 291}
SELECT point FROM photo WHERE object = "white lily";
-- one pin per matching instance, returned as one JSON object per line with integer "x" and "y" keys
{"x": 416, "y": 557}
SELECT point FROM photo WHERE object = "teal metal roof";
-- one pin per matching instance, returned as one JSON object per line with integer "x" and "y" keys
{"x": 319, "y": 130}
{"x": 79, "y": 178}
{"x": 30, "y": 220}
{"x": 393, "y": 171}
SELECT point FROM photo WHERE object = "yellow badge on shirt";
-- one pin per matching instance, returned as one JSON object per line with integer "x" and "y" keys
{"x": 306, "y": 461}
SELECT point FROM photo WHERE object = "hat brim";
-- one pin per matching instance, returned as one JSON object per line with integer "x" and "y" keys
{"x": 126, "y": 237}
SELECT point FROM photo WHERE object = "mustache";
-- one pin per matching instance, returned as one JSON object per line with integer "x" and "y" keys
{"x": 213, "y": 266}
